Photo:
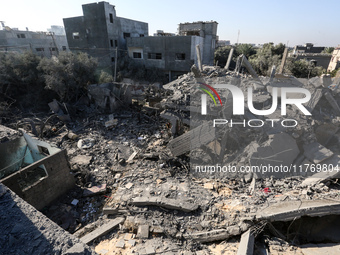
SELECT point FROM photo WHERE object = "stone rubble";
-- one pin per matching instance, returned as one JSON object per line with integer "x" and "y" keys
{"x": 133, "y": 165}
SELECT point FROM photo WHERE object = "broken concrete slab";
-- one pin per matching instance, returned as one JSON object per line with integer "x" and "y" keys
{"x": 320, "y": 248}
{"x": 77, "y": 249}
{"x": 95, "y": 190}
{"x": 173, "y": 120}
{"x": 279, "y": 149}
{"x": 291, "y": 210}
{"x": 81, "y": 160}
{"x": 195, "y": 138}
{"x": 143, "y": 232}
{"x": 316, "y": 153}
{"x": 120, "y": 244}
{"x": 210, "y": 236}
{"x": 332, "y": 172}
{"x": 102, "y": 230}
{"x": 326, "y": 80}
{"x": 85, "y": 143}
{"x": 325, "y": 132}
{"x": 332, "y": 102}
{"x": 246, "y": 246}
{"x": 315, "y": 98}
{"x": 169, "y": 203}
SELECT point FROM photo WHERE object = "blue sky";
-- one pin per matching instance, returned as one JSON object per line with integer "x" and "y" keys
{"x": 293, "y": 22}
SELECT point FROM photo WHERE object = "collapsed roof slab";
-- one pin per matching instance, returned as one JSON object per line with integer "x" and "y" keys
{"x": 291, "y": 210}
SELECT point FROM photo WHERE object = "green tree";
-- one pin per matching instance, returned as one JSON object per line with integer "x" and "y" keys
{"x": 245, "y": 49}
{"x": 105, "y": 77}
{"x": 278, "y": 49}
{"x": 19, "y": 73}
{"x": 266, "y": 57}
{"x": 303, "y": 68}
{"x": 221, "y": 55}
{"x": 328, "y": 50}
{"x": 68, "y": 74}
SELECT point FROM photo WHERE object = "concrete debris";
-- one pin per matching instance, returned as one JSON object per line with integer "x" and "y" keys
{"x": 211, "y": 236}
{"x": 287, "y": 211}
{"x": 104, "y": 229}
{"x": 316, "y": 96}
{"x": 81, "y": 160}
{"x": 85, "y": 143}
{"x": 246, "y": 244}
{"x": 143, "y": 232}
{"x": 174, "y": 183}
{"x": 95, "y": 190}
{"x": 174, "y": 204}
{"x": 316, "y": 153}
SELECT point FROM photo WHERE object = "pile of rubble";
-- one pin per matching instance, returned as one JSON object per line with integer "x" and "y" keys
{"x": 138, "y": 192}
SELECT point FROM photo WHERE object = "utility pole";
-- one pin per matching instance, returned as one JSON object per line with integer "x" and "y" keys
{"x": 116, "y": 59}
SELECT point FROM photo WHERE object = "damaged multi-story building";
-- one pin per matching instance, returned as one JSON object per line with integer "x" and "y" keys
{"x": 45, "y": 44}
{"x": 176, "y": 54}
{"x": 312, "y": 54}
{"x": 99, "y": 32}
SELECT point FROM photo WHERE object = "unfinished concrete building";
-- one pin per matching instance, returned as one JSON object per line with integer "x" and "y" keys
{"x": 176, "y": 54}
{"x": 206, "y": 30}
{"x": 45, "y": 44}
{"x": 99, "y": 32}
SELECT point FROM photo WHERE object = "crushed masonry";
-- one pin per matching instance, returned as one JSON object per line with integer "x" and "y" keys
{"x": 154, "y": 176}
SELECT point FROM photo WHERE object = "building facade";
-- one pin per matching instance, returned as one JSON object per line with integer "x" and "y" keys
{"x": 175, "y": 54}
{"x": 311, "y": 54}
{"x": 45, "y": 44}
{"x": 205, "y": 30}
{"x": 99, "y": 32}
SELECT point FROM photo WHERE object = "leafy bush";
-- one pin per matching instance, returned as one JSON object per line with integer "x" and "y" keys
{"x": 302, "y": 68}
{"x": 68, "y": 74}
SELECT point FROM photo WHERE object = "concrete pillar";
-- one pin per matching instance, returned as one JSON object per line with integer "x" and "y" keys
{"x": 250, "y": 69}
{"x": 272, "y": 73}
{"x": 229, "y": 59}
{"x": 238, "y": 64}
{"x": 199, "y": 59}
{"x": 283, "y": 62}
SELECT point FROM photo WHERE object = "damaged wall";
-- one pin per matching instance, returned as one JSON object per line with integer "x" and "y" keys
{"x": 35, "y": 170}
{"x": 46, "y": 189}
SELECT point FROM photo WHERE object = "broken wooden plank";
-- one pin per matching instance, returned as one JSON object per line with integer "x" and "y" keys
{"x": 174, "y": 204}
{"x": 193, "y": 139}
{"x": 291, "y": 210}
{"x": 102, "y": 230}
{"x": 246, "y": 246}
